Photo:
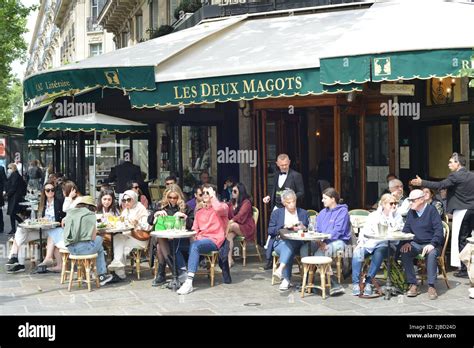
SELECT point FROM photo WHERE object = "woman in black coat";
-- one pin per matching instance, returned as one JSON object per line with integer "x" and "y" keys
{"x": 15, "y": 193}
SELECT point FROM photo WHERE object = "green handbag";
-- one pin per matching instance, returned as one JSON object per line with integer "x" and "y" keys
{"x": 164, "y": 223}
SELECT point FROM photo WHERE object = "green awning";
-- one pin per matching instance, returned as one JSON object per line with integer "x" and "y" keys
{"x": 395, "y": 66}
{"x": 128, "y": 78}
{"x": 31, "y": 121}
{"x": 234, "y": 88}
{"x": 94, "y": 122}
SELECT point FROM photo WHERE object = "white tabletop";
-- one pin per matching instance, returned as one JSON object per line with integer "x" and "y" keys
{"x": 38, "y": 226}
{"x": 398, "y": 235}
{"x": 114, "y": 230}
{"x": 470, "y": 240}
{"x": 307, "y": 236}
{"x": 172, "y": 234}
{"x": 28, "y": 203}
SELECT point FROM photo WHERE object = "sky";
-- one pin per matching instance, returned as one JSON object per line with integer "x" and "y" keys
{"x": 18, "y": 68}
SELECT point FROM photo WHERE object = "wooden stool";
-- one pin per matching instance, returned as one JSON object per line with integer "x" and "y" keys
{"x": 321, "y": 264}
{"x": 84, "y": 263}
{"x": 136, "y": 263}
{"x": 64, "y": 269}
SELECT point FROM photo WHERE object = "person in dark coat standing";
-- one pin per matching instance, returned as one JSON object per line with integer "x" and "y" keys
{"x": 125, "y": 172}
{"x": 15, "y": 193}
{"x": 3, "y": 182}
{"x": 285, "y": 178}
{"x": 460, "y": 185}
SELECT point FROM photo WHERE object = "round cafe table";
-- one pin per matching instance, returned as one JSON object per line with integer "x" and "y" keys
{"x": 305, "y": 237}
{"x": 389, "y": 237}
{"x": 39, "y": 227}
{"x": 173, "y": 235}
{"x": 112, "y": 232}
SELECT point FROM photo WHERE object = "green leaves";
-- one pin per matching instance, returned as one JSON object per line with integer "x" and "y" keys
{"x": 13, "y": 18}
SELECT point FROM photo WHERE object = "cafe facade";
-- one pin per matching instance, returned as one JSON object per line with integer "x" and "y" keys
{"x": 265, "y": 84}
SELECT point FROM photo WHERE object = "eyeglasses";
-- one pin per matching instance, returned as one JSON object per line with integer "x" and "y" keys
{"x": 126, "y": 200}
{"x": 206, "y": 193}
{"x": 393, "y": 203}
{"x": 199, "y": 194}
{"x": 48, "y": 190}
{"x": 172, "y": 197}
{"x": 135, "y": 187}
{"x": 414, "y": 199}
{"x": 169, "y": 183}
{"x": 235, "y": 191}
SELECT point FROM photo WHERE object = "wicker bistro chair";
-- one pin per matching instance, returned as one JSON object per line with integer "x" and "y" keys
{"x": 211, "y": 260}
{"x": 358, "y": 218}
{"x": 243, "y": 242}
{"x": 66, "y": 265}
{"x": 421, "y": 262}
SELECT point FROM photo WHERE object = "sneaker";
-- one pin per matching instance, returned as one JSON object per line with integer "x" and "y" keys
{"x": 115, "y": 279}
{"x": 105, "y": 278}
{"x": 186, "y": 288}
{"x": 183, "y": 277}
{"x": 471, "y": 293}
{"x": 355, "y": 289}
{"x": 285, "y": 285}
{"x": 336, "y": 290}
{"x": 115, "y": 265}
{"x": 12, "y": 261}
{"x": 413, "y": 291}
{"x": 368, "y": 290}
{"x": 16, "y": 269}
{"x": 278, "y": 274}
{"x": 432, "y": 294}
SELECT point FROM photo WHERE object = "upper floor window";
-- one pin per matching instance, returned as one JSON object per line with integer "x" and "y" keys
{"x": 95, "y": 49}
{"x": 138, "y": 27}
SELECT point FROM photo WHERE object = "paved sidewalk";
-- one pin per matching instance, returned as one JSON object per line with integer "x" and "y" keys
{"x": 250, "y": 294}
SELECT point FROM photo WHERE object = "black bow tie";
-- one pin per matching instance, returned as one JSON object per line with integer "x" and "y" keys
{"x": 283, "y": 173}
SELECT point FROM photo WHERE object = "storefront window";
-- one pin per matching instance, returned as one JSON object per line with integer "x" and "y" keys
{"x": 199, "y": 153}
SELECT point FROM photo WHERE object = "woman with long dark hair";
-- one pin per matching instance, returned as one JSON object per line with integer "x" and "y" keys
{"x": 241, "y": 221}
{"x": 106, "y": 203}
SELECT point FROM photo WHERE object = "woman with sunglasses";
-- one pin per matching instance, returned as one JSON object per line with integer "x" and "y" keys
{"x": 135, "y": 186}
{"x": 49, "y": 207}
{"x": 241, "y": 221}
{"x": 172, "y": 204}
{"x": 136, "y": 215}
{"x": 210, "y": 223}
{"x": 385, "y": 215}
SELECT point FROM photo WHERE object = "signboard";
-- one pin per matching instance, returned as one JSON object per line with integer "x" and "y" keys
{"x": 397, "y": 89}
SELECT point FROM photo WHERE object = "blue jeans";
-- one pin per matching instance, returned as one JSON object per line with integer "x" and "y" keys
{"x": 202, "y": 246}
{"x": 182, "y": 245}
{"x": 378, "y": 255}
{"x": 431, "y": 263}
{"x": 91, "y": 247}
{"x": 287, "y": 249}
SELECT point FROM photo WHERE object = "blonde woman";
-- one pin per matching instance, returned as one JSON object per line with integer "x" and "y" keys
{"x": 172, "y": 204}
{"x": 386, "y": 215}
{"x": 136, "y": 215}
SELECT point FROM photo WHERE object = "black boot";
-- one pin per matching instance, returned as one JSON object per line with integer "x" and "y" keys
{"x": 269, "y": 265}
{"x": 224, "y": 265}
{"x": 160, "y": 275}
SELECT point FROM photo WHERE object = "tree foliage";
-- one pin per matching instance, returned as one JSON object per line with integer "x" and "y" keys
{"x": 13, "y": 19}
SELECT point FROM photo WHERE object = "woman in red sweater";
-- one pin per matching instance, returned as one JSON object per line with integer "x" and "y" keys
{"x": 210, "y": 223}
{"x": 240, "y": 215}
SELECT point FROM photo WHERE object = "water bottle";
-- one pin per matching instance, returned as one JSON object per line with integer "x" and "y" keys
{"x": 32, "y": 215}
{"x": 311, "y": 227}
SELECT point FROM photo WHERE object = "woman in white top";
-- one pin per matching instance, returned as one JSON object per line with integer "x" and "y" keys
{"x": 135, "y": 215}
{"x": 385, "y": 215}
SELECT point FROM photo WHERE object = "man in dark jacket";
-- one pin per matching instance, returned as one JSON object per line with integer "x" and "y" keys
{"x": 15, "y": 191}
{"x": 460, "y": 185}
{"x": 285, "y": 178}
{"x": 3, "y": 183}
{"x": 125, "y": 172}
{"x": 424, "y": 222}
